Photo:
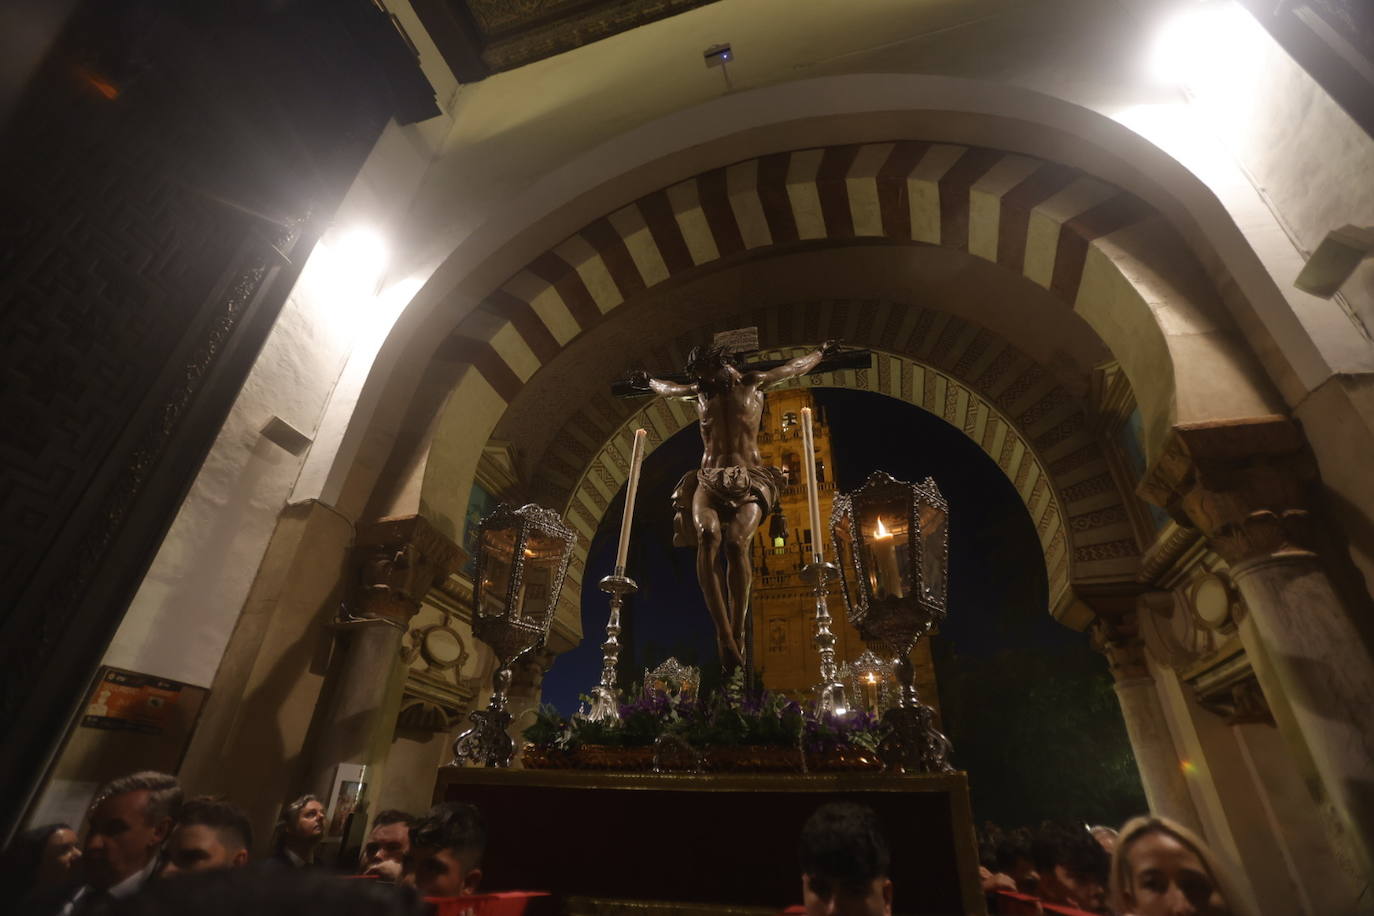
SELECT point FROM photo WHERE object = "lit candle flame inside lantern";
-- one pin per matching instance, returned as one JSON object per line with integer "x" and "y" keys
{"x": 887, "y": 578}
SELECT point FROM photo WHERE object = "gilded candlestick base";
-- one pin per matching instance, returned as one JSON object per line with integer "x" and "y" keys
{"x": 605, "y": 698}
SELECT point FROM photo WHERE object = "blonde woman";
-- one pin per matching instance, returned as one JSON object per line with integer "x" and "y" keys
{"x": 1161, "y": 868}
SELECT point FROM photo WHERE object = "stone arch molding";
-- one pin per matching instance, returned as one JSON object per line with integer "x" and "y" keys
{"x": 1035, "y": 430}
{"x": 1102, "y": 252}
{"x": 1094, "y": 247}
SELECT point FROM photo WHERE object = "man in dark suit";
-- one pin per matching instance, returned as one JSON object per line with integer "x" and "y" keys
{"x": 130, "y": 821}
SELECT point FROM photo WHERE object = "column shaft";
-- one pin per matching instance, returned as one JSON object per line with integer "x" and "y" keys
{"x": 397, "y": 560}
{"x": 351, "y": 727}
{"x": 1155, "y": 755}
{"x": 1326, "y": 674}
{"x": 1246, "y": 485}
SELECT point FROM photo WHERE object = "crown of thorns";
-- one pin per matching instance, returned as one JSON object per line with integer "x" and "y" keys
{"x": 706, "y": 358}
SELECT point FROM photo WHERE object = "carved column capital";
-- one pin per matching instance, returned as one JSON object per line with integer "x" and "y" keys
{"x": 1118, "y": 638}
{"x": 399, "y": 560}
{"x": 1242, "y": 483}
{"x": 1239, "y": 702}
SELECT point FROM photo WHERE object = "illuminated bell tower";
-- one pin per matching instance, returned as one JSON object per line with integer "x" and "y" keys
{"x": 783, "y": 609}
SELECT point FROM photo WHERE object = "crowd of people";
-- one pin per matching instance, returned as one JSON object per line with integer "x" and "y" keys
{"x": 143, "y": 840}
{"x": 149, "y": 852}
{"x": 1151, "y": 867}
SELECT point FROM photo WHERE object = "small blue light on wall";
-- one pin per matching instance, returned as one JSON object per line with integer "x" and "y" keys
{"x": 718, "y": 55}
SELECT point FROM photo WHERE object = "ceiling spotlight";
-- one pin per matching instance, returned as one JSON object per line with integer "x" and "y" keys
{"x": 718, "y": 55}
{"x": 1335, "y": 260}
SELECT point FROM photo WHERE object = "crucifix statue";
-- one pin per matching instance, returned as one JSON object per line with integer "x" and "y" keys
{"x": 719, "y": 506}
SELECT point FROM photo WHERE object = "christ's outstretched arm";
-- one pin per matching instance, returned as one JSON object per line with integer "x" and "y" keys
{"x": 641, "y": 379}
{"x": 795, "y": 367}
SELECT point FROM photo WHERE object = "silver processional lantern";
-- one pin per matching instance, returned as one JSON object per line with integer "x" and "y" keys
{"x": 869, "y": 680}
{"x": 522, "y": 559}
{"x": 891, "y": 542}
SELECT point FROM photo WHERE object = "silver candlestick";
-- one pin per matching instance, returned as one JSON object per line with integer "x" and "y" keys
{"x": 830, "y": 696}
{"x": 605, "y": 705}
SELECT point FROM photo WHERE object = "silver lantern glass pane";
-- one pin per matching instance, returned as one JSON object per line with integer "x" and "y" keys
{"x": 542, "y": 558}
{"x": 934, "y": 548}
{"x": 496, "y": 562}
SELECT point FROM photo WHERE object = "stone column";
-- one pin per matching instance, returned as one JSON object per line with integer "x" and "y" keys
{"x": 397, "y": 561}
{"x": 1156, "y": 758}
{"x": 1244, "y": 484}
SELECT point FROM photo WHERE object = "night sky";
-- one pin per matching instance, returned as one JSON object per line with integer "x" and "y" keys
{"x": 997, "y": 590}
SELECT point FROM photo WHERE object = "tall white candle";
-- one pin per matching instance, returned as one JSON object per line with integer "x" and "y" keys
{"x": 813, "y": 499}
{"x": 636, "y": 459}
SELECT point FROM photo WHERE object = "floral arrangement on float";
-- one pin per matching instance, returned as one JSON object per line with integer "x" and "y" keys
{"x": 729, "y": 731}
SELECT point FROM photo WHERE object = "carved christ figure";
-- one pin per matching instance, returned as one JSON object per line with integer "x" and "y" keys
{"x": 719, "y": 506}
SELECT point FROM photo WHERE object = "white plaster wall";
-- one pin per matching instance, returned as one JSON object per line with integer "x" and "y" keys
{"x": 1304, "y": 154}
{"x": 336, "y": 316}
{"x": 1285, "y": 159}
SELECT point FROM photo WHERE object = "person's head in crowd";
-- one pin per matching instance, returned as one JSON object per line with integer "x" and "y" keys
{"x": 38, "y": 857}
{"x": 130, "y": 820}
{"x": 1016, "y": 860}
{"x": 299, "y": 831}
{"x": 1163, "y": 869}
{"x": 446, "y": 849}
{"x": 211, "y": 833}
{"x": 384, "y": 853}
{"x": 1105, "y": 836}
{"x": 266, "y": 890}
{"x": 844, "y": 863}
{"x": 989, "y": 876}
{"x": 1072, "y": 866}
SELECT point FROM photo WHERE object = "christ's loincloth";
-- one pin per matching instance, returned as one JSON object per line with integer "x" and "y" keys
{"x": 728, "y": 489}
